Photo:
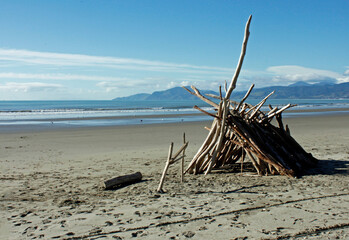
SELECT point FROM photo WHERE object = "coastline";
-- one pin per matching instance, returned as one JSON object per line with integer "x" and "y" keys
{"x": 52, "y": 185}
{"x": 78, "y": 122}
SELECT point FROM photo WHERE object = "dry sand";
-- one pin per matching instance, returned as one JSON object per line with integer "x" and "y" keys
{"x": 51, "y": 187}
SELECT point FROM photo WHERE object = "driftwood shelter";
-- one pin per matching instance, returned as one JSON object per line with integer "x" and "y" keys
{"x": 241, "y": 130}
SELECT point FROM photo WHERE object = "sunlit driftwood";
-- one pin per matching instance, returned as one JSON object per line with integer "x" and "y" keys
{"x": 241, "y": 131}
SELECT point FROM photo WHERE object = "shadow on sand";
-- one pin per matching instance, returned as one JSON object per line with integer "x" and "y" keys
{"x": 329, "y": 167}
{"x": 323, "y": 167}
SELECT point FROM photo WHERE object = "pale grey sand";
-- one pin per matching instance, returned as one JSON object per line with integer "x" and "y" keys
{"x": 51, "y": 186}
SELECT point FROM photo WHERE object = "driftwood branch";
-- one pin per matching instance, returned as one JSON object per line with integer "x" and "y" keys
{"x": 203, "y": 111}
{"x": 245, "y": 97}
{"x": 199, "y": 95}
{"x": 213, "y": 96}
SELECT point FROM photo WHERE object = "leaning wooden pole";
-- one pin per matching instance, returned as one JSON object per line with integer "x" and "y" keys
{"x": 241, "y": 59}
{"x": 168, "y": 162}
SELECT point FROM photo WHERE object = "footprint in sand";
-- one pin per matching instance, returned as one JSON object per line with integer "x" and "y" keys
{"x": 108, "y": 223}
{"x": 188, "y": 234}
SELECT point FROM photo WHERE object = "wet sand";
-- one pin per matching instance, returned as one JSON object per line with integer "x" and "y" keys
{"x": 52, "y": 186}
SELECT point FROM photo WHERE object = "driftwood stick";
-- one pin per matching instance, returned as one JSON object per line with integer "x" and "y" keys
{"x": 235, "y": 103}
{"x": 236, "y": 142}
{"x": 256, "y": 111}
{"x": 272, "y": 110}
{"x": 182, "y": 162}
{"x": 224, "y": 152}
{"x": 213, "y": 96}
{"x": 254, "y": 162}
{"x": 203, "y": 111}
{"x": 188, "y": 91}
{"x": 242, "y": 112}
{"x": 174, "y": 160}
{"x": 245, "y": 97}
{"x": 220, "y": 110}
{"x": 232, "y": 102}
{"x": 185, "y": 145}
{"x": 205, "y": 164}
{"x": 229, "y": 153}
{"x": 207, "y": 128}
{"x": 280, "y": 111}
{"x": 204, "y": 145}
{"x": 116, "y": 182}
{"x": 221, "y": 136}
{"x": 198, "y": 94}
{"x": 261, "y": 104}
{"x": 241, "y": 59}
{"x": 288, "y": 130}
{"x": 220, "y": 93}
{"x": 201, "y": 162}
{"x": 243, "y": 154}
{"x": 160, "y": 190}
{"x": 279, "y": 120}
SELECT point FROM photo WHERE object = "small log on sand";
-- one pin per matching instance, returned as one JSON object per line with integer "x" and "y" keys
{"x": 124, "y": 180}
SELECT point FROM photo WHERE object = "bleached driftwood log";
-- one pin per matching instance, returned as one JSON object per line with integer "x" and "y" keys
{"x": 240, "y": 129}
{"x": 122, "y": 180}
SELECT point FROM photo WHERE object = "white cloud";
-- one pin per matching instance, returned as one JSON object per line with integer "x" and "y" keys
{"x": 289, "y": 73}
{"x": 184, "y": 83}
{"x": 173, "y": 84}
{"x": 124, "y": 85}
{"x": 29, "y": 87}
{"x": 287, "y": 69}
{"x": 343, "y": 79}
{"x": 49, "y": 76}
{"x": 71, "y": 60}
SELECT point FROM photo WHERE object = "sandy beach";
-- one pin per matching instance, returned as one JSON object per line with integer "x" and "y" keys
{"x": 52, "y": 186}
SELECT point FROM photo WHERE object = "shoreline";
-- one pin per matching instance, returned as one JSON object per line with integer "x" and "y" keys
{"x": 295, "y": 119}
{"x": 122, "y": 121}
{"x": 320, "y": 110}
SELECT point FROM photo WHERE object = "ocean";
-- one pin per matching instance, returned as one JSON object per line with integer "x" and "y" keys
{"x": 109, "y": 113}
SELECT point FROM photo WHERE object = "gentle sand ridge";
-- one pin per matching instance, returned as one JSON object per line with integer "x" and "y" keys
{"x": 51, "y": 186}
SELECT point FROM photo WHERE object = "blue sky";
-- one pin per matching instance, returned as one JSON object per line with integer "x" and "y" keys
{"x": 65, "y": 50}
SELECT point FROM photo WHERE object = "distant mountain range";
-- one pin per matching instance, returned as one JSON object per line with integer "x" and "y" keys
{"x": 176, "y": 93}
{"x": 298, "y": 90}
